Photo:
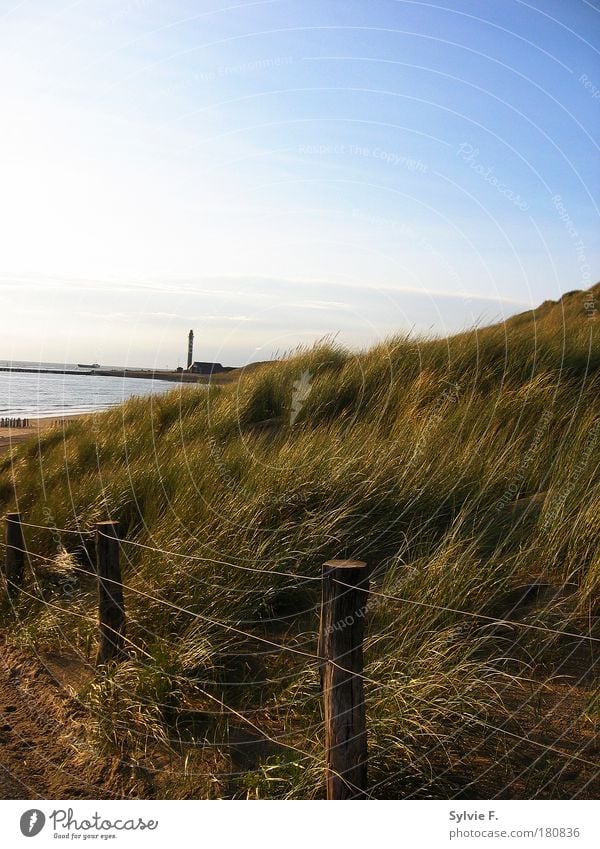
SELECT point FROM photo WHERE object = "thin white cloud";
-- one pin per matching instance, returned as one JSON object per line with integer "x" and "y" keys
{"x": 202, "y": 286}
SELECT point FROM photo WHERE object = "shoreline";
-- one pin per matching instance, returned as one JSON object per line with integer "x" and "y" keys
{"x": 13, "y": 436}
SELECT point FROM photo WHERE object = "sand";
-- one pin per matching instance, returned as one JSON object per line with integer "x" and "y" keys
{"x": 11, "y": 436}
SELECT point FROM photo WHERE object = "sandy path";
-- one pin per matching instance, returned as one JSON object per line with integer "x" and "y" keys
{"x": 38, "y": 727}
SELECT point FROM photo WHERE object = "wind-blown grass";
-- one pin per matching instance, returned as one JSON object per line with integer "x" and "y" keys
{"x": 415, "y": 456}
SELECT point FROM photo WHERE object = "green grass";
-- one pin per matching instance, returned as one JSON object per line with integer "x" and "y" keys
{"x": 409, "y": 456}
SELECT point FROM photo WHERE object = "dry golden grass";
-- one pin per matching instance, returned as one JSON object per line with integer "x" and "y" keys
{"x": 411, "y": 456}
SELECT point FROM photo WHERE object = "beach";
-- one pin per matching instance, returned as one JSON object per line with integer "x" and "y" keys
{"x": 12, "y": 436}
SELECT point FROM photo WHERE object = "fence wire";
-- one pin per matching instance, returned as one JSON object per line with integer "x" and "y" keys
{"x": 250, "y": 717}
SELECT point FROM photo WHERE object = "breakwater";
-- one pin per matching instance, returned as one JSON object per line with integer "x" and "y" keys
{"x": 24, "y": 370}
{"x": 14, "y": 423}
{"x": 138, "y": 374}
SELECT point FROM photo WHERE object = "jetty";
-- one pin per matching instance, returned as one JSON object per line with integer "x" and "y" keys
{"x": 196, "y": 372}
{"x": 25, "y": 370}
{"x": 140, "y": 374}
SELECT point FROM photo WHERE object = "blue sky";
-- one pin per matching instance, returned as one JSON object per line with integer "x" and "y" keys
{"x": 273, "y": 172}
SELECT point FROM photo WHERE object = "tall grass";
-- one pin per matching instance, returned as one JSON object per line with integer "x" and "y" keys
{"x": 411, "y": 455}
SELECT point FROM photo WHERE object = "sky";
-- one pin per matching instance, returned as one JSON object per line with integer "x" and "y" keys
{"x": 274, "y": 172}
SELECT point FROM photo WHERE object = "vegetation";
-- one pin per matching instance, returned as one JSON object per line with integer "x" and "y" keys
{"x": 463, "y": 470}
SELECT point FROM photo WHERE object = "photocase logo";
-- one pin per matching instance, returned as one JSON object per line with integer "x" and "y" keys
{"x": 301, "y": 391}
{"x": 32, "y": 822}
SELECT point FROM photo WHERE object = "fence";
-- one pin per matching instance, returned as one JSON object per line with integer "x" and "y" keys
{"x": 341, "y": 648}
{"x": 345, "y": 587}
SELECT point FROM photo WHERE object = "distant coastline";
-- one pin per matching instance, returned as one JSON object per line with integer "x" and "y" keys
{"x": 172, "y": 375}
{"x": 140, "y": 374}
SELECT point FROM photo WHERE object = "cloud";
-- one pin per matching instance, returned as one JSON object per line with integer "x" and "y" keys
{"x": 228, "y": 285}
{"x": 319, "y": 305}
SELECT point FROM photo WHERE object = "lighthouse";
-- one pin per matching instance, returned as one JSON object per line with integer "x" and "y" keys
{"x": 190, "y": 357}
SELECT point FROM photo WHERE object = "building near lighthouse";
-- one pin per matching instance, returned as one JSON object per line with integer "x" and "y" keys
{"x": 207, "y": 368}
{"x": 196, "y": 367}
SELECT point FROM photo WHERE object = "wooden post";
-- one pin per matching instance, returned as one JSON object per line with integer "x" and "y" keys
{"x": 110, "y": 593}
{"x": 343, "y": 607}
{"x": 15, "y": 555}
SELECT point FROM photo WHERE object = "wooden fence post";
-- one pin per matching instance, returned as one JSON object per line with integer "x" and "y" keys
{"x": 343, "y": 607}
{"x": 15, "y": 555}
{"x": 110, "y": 593}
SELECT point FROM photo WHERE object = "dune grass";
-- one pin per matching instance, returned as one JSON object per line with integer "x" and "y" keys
{"x": 416, "y": 456}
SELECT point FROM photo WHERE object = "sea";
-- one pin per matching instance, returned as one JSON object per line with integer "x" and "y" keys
{"x": 26, "y": 395}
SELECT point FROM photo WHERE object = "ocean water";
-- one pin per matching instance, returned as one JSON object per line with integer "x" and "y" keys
{"x": 49, "y": 395}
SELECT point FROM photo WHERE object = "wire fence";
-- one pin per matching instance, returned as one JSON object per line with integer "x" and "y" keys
{"x": 338, "y": 655}
{"x": 311, "y": 578}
